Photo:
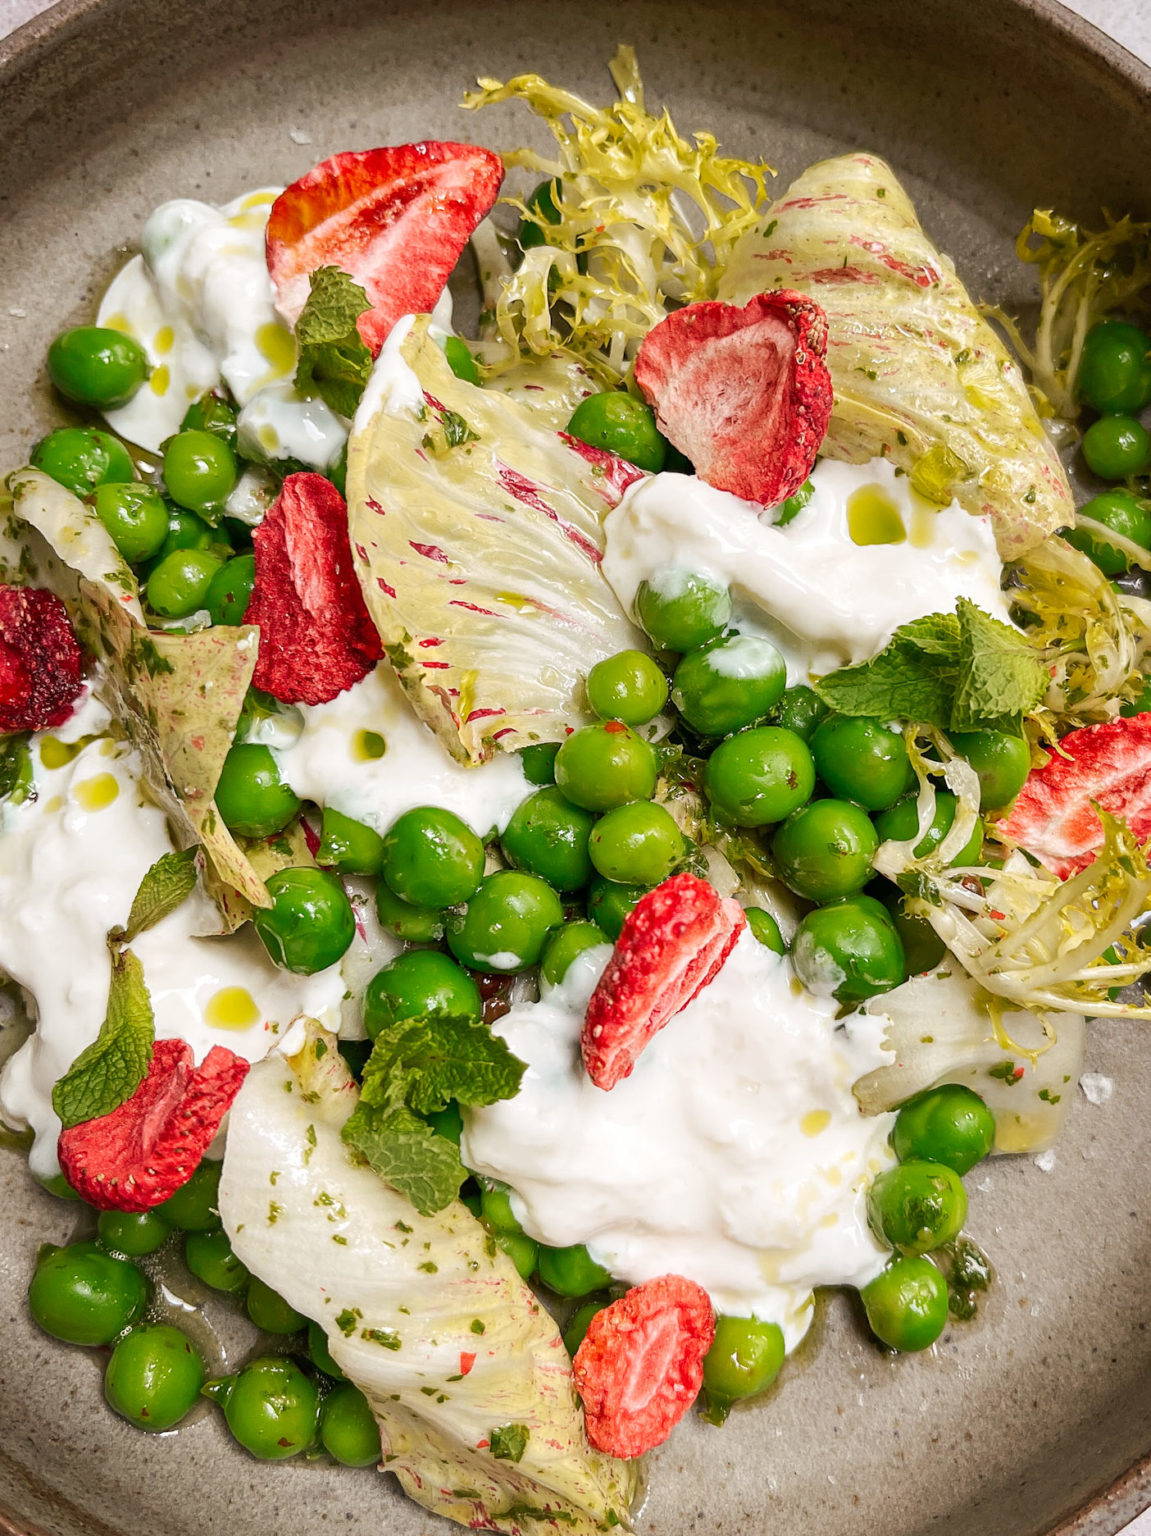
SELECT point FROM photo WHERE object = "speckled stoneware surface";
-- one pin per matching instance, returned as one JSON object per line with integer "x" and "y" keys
{"x": 1012, "y": 1424}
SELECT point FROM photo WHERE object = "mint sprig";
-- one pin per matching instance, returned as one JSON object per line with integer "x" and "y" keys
{"x": 111, "y": 1069}
{"x": 334, "y": 362}
{"x": 166, "y": 885}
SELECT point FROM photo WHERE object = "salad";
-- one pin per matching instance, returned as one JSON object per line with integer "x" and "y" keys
{"x": 526, "y": 855}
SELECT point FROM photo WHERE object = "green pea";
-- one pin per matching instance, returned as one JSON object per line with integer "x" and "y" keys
{"x": 571, "y": 1271}
{"x": 212, "y": 413}
{"x": 348, "y": 846}
{"x": 348, "y": 1429}
{"x": 1115, "y": 368}
{"x": 605, "y": 765}
{"x": 923, "y": 949}
{"x": 81, "y": 458}
{"x": 745, "y": 1358}
{"x": 906, "y": 1305}
{"x": 136, "y": 517}
{"x": 728, "y": 683}
{"x": 849, "y": 950}
{"x": 608, "y": 904}
{"x": 623, "y": 425}
{"x": 179, "y": 584}
{"x": 432, "y": 858}
{"x": 187, "y": 531}
{"x": 824, "y": 850}
{"x": 421, "y": 984}
{"x": 564, "y": 945}
{"x": 196, "y": 1204}
{"x": 576, "y": 1330}
{"x": 1127, "y": 515}
{"x": 1116, "y": 447}
{"x": 57, "y": 1185}
{"x": 899, "y": 822}
{"x": 319, "y": 1354}
{"x": 681, "y": 610}
{"x": 504, "y": 925}
{"x": 790, "y": 509}
{"x": 627, "y": 686}
{"x": 230, "y": 590}
{"x": 522, "y": 1250}
{"x": 310, "y": 923}
{"x": 200, "y": 469}
{"x": 85, "y": 1296}
{"x": 548, "y": 836}
{"x": 636, "y": 844}
{"x": 759, "y": 776}
{"x": 154, "y": 1377}
{"x": 272, "y": 1408}
{"x": 269, "y": 1311}
{"x": 210, "y": 1258}
{"x": 800, "y": 710}
{"x": 251, "y": 797}
{"x": 1002, "y": 762}
{"x": 133, "y": 1232}
{"x": 496, "y": 1210}
{"x": 765, "y": 928}
{"x": 917, "y": 1206}
{"x": 461, "y": 361}
{"x": 415, "y": 925}
{"x": 949, "y": 1124}
{"x": 539, "y": 762}
{"x": 862, "y": 760}
{"x": 541, "y": 202}
{"x": 96, "y": 366}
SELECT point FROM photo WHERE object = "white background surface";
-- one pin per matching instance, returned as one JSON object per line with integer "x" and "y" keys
{"x": 1128, "y": 21}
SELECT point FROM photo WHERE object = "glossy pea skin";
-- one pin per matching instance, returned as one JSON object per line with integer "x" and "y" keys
{"x": 154, "y": 1377}
{"x": 230, "y": 590}
{"x": 504, "y": 925}
{"x": 759, "y": 776}
{"x": 728, "y": 684}
{"x": 179, "y": 584}
{"x": 210, "y": 1258}
{"x": 1116, "y": 447}
{"x": 863, "y": 760}
{"x": 521, "y": 1249}
{"x": 564, "y": 945}
{"x": 421, "y": 984}
{"x": 744, "y": 1359}
{"x": 319, "y": 1354}
{"x": 541, "y": 202}
{"x": 608, "y": 904}
{"x": 636, "y": 844}
{"x": 135, "y": 515}
{"x": 432, "y": 858}
{"x": 681, "y": 610}
{"x": 917, "y": 1206}
{"x": 212, "y": 413}
{"x": 415, "y": 925}
{"x": 496, "y": 1210}
{"x": 899, "y": 822}
{"x": 200, "y": 469}
{"x": 81, "y": 458}
{"x": 348, "y": 846}
{"x": 1115, "y": 368}
{"x": 622, "y": 425}
{"x": 923, "y": 949}
{"x": 765, "y": 929}
{"x": 800, "y": 710}
{"x": 906, "y": 1305}
{"x": 548, "y": 836}
{"x": 97, "y": 366}
{"x": 196, "y": 1204}
{"x": 1118, "y": 510}
{"x": 348, "y": 1429}
{"x": 604, "y": 765}
{"x": 310, "y": 923}
{"x": 273, "y": 1409}
{"x": 269, "y": 1311}
{"x": 950, "y": 1124}
{"x": 85, "y": 1296}
{"x": 824, "y": 850}
{"x": 579, "y": 1324}
{"x": 250, "y": 796}
{"x": 571, "y": 1271}
{"x": 187, "y": 531}
{"x": 460, "y": 361}
{"x": 1002, "y": 762}
{"x": 628, "y": 686}
{"x": 539, "y": 762}
{"x": 853, "y": 940}
{"x": 134, "y": 1233}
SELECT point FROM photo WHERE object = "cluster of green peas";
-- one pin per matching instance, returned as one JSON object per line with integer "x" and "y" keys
{"x": 93, "y": 1294}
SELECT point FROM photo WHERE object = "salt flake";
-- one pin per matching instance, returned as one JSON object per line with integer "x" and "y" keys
{"x": 1045, "y": 1160}
{"x": 298, "y": 136}
{"x": 1097, "y": 1088}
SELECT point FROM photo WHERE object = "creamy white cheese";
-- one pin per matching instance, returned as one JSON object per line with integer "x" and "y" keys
{"x": 824, "y": 599}
{"x": 735, "y": 1153}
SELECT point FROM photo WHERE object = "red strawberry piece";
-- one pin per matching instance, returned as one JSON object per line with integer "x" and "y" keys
{"x": 640, "y": 1366}
{"x": 396, "y": 220}
{"x": 41, "y": 663}
{"x": 1054, "y": 814}
{"x": 316, "y": 635}
{"x": 744, "y": 393}
{"x": 151, "y": 1146}
{"x": 672, "y": 944}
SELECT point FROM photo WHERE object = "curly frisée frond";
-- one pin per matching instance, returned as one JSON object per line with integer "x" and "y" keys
{"x": 646, "y": 221}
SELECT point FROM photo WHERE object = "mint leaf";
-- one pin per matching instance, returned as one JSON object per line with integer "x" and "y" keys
{"x": 115, "y": 1064}
{"x": 1001, "y": 675}
{"x": 407, "y": 1154}
{"x": 169, "y": 882}
{"x": 426, "y": 1062}
{"x": 334, "y": 363}
{"x": 912, "y": 678}
{"x": 509, "y": 1442}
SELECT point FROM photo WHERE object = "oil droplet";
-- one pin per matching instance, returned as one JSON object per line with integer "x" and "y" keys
{"x": 96, "y": 793}
{"x": 873, "y": 517}
{"x": 55, "y": 753}
{"x": 55, "y": 804}
{"x": 268, "y": 436}
{"x": 814, "y": 1121}
{"x": 367, "y": 746}
{"x": 160, "y": 380}
{"x": 923, "y": 522}
{"x": 278, "y": 345}
{"x": 231, "y": 1008}
{"x": 118, "y": 322}
{"x": 833, "y": 1176}
{"x": 164, "y": 340}
{"x": 259, "y": 199}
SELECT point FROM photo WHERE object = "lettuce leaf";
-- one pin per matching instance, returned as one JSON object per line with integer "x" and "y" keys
{"x": 920, "y": 377}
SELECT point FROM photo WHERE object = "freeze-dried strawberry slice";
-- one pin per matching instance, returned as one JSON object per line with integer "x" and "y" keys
{"x": 41, "y": 663}
{"x": 394, "y": 219}
{"x": 1054, "y": 816}
{"x": 147, "y": 1149}
{"x": 673, "y": 943}
{"x": 744, "y": 393}
{"x": 640, "y": 1366}
{"x": 316, "y": 636}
